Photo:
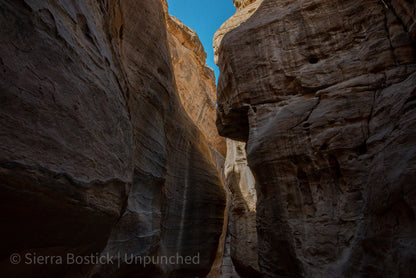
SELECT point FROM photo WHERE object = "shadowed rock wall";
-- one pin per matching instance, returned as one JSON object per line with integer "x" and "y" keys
{"x": 323, "y": 92}
{"x": 97, "y": 153}
{"x": 195, "y": 83}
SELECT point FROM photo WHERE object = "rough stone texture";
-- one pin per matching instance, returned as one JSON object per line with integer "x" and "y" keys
{"x": 324, "y": 94}
{"x": 228, "y": 269}
{"x": 242, "y": 3}
{"x": 97, "y": 153}
{"x": 195, "y": 81}
{"x": 242, "y": 235}
{"x": 406, "y": 14}
{"x": 242, "y": 14}
{"x": 242, "y": 219}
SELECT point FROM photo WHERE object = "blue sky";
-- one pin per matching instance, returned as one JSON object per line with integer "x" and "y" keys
{"x": 205, "y": 17}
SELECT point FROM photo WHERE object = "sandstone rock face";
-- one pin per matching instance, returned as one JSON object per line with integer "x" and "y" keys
{"x": 242, "y": 14}
{"x": 324, "y": 93}
{"x": 406, "y": 14}
{"x": 97, "y": 153}
{"x": 195, "y": 81}
{"x": 242, "y": 3}
{"x": 242, "y": 219}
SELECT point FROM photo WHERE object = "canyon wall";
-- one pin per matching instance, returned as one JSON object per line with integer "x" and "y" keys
{"x": 195, "y": 81}
{"x": 323, "y": 93}
{"x": 98, "y": 155}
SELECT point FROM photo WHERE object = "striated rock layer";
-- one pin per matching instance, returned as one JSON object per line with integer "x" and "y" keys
{"x": 97, "y": 154}
{"x": 324, "y": 92}
{"x": 195, "y": 81}
{"x": 239, "y": 4}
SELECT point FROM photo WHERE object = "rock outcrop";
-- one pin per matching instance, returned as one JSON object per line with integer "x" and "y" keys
{"x": 98, "y": 155}
{"x": 324, "y": 92}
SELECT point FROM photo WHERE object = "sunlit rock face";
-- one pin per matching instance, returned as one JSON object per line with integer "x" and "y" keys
{"x": 97, "y": 154}
{"x": 195, "y": 81}
{"x": 323, "y": 92}
{"x": 242, "y": 3}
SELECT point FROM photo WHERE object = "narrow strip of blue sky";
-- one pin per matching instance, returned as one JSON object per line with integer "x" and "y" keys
{"x": 204, "y": 17}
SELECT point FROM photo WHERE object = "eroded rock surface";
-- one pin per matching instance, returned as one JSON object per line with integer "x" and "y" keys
{"x": 244, "y": 11}
{"x": 97, "y": 153}
{"x": 324, "y": 94}
{"x": 242, "y": 219}
{"x": 195, "y": 81}
{"x": 242, "y": 3}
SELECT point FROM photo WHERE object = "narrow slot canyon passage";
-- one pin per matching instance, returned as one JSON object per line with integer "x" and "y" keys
{"x": 187, "y": 139}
